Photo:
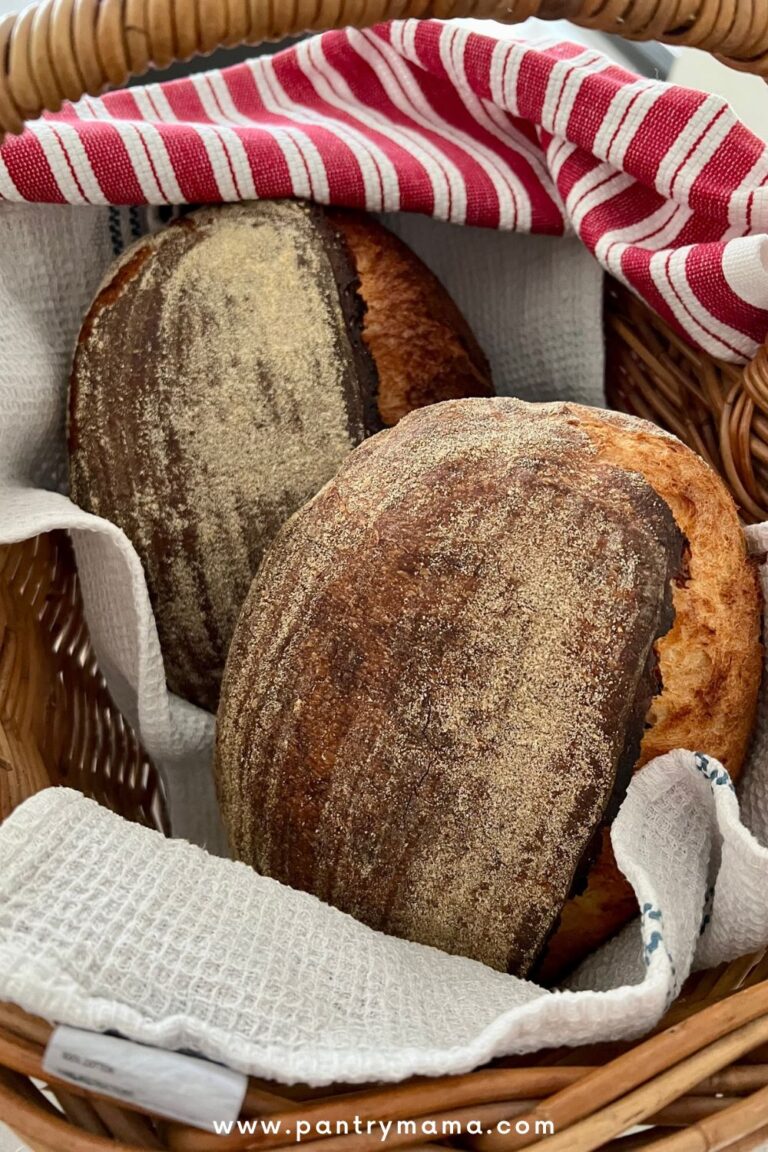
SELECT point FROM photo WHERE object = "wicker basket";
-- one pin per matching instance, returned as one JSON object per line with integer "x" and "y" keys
{"x": 701, "y": 1081}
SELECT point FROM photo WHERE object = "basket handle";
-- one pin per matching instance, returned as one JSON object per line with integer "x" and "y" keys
{"x": 63, "y": 49}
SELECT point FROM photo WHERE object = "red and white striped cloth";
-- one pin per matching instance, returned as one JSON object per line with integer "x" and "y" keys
{"x": 663, "y": 185}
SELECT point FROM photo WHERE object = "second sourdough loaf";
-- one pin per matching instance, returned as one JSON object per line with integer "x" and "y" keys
{"x": 444, "y": 673}
{"x": 224, "y": 371}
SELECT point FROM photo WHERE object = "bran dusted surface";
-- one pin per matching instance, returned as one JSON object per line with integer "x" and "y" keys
{"x": 217, "y": 386}
{"x": 436, "y": 690}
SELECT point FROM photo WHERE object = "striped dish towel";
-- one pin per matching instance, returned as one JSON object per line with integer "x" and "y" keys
{"x": 664, "y": 186}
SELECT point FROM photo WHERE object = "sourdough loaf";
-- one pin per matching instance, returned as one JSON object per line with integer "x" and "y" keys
{"x": 221, "y": 377}
{"x": 437, "y": 689}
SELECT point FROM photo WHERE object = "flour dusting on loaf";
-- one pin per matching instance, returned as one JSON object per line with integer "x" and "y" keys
{"x": 435, "y": 693}
{"x": 239, "y": 389}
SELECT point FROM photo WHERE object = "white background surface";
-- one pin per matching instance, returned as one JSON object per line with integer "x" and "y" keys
{"x": 750, "y": 98}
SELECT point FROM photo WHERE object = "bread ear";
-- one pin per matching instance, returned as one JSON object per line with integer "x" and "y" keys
{"x": 422, "y": 346}
{"x": 710, "y": 662}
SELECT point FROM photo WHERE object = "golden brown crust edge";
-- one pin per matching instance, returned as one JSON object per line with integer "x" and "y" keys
{"x": 710, "y": 661}
{"x": 423, "y": 348}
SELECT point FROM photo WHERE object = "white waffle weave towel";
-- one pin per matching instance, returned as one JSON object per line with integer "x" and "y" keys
{"x": 106, "y": 925}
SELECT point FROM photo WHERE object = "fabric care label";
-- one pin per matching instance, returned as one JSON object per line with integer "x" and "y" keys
{"x": 176, "y": 1087}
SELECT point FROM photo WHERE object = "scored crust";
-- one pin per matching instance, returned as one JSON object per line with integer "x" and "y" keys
{"x": 710, "y": 662}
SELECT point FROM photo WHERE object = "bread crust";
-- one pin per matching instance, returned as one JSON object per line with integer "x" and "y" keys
{"x": 198, "y": 430}
{"x": 710, "y": 662}
{"x": 416, "y": 724}
{"x": 422, "y": 346}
